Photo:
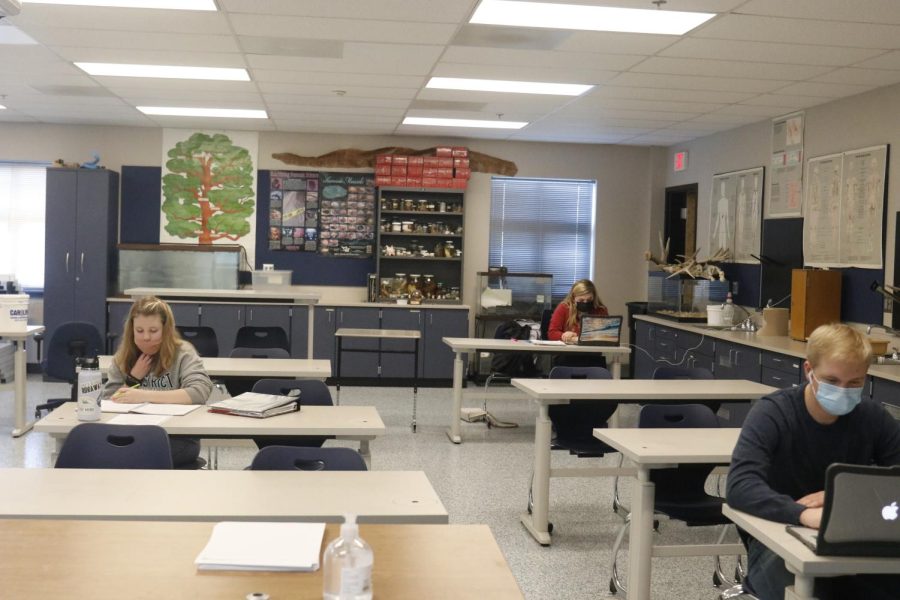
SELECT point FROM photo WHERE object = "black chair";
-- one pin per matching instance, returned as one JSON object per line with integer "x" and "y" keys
{"x": 262, "y": 337}
{"x": 574, "y": 422}
{"x": 203, "y": 339}
{"x": 259, "y": 353}
{"x": 687, "y": 373}
{"x": 290, "y": 458}
{"x": 70, "y": 345}
{"x": 680, "y": 491}
{"x": 505, "y": 366}
{"x": 312, "y": 393}
{"x": 105, "y": 446}
{"x": 545, "y": 322}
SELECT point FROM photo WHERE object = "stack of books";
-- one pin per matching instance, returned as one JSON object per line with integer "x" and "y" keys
{"x": 252, "y": 404}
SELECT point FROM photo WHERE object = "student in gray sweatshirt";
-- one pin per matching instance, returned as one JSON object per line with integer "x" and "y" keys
{"x": 153, "y": 364}
{"x": 790, "y": 438}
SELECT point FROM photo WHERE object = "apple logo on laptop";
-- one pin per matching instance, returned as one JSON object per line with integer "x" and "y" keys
{"x": 889, "y": 512}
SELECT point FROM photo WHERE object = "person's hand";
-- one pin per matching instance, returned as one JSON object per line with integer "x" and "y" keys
{"x": 569, "y": 337}
{"x": 811, "y": 517}
{"x": 814, "y": 500}
{"x": 128, "y": 395}
{"x": 142, "y": 366}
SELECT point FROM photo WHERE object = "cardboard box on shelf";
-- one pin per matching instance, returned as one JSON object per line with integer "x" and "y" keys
{"x": 414, "y": 181}
{"x": 429, "y": 172}
{"x": 429, "y": 182}
{"x": 443, "y": 182}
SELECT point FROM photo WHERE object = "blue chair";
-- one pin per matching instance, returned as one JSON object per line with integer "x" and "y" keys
{"x": 70, "y": 345}
{"x": 105, "y": 446}
{"x": 312, "y": 393}
{"x": 290, "y": 458}
{"x": 680, "y": 491}
{"x": 252, "y": 336}
{"x": 203, "y": 339}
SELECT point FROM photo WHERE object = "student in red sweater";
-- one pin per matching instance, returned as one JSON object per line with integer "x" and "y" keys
{"x": 565, "y": 324}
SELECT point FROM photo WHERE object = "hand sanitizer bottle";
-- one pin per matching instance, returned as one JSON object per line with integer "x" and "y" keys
{"x": 347, "y": 565}
{"x": 728, "y": 311}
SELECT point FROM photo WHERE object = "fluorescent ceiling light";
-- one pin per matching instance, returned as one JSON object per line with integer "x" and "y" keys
{"x": 513, "y": 87}
{"x": 164, "y": 71}
{"x": 227, "y": 113}
{"x": 589, "y": 18}
{"x": 2, "y": 107}
{"x": 464, "y": 123}
{"x": 167, "y": 4}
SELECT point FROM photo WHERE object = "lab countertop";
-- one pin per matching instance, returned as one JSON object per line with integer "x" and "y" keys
{"x": 293, "y": 294}
{"x": 779, "y": 344}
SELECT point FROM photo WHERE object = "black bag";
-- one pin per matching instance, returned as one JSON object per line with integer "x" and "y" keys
{"x": 514, "y": 364}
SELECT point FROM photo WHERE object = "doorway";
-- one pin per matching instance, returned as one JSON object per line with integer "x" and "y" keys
{"x": 680, "y": 220}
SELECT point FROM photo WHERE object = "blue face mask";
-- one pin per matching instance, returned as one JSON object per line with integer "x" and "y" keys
{"x": 836, "y": 400}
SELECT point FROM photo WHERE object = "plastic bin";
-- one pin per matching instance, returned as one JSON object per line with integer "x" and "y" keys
{"x": 267, "y": 280}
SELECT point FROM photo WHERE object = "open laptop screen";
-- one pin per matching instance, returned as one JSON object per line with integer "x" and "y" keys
{"x": 600, "y": 331}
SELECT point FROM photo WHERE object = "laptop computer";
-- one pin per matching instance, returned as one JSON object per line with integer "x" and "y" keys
{"x": 600, "y": 331}
{"x": 860, "y": 516}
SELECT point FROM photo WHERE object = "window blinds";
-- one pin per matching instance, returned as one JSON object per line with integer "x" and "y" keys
{"x": 22, "y": 207}
{"x": 544, "y": 226}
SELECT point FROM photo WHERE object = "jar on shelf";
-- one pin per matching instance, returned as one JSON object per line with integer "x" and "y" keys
{"x": 449, "y": 249}
{"x": 385, "y": 288}
{"x": 396, "y": 226}
{"x": 453, "y": 294}
{"x": 422, "y": 205}
{"x": 430, "y": 207}
{"x": 407, "y": 226}
{"x": 408, "y": 204}
{"x": 429, "y": 287}
{"x": 398, "y": 285}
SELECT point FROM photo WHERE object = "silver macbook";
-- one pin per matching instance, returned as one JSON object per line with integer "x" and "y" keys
{"x": 600, "y": 331}
{"x": 860, "y": 516}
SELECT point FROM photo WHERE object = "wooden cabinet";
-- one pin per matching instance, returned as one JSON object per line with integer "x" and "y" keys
{"x": 80, "y": 260}
{"x": 815, "y": 300}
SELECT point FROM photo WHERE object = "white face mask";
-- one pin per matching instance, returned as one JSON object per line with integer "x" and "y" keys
{"x": 836, "y": 400}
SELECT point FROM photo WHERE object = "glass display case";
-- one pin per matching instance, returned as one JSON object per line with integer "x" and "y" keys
{"x": 682, "y": 298}
{"x": 513, "y": 295}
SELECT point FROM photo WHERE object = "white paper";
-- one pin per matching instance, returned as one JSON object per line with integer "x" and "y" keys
{"x": 548, "y": 343}
{"x": 108, "y": 406}
{"x": 175, "y": 410}
{"x": 252, "y": 546}
{"x": 133, "y": 419}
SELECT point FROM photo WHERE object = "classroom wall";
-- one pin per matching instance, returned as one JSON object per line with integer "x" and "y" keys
{"x": 627, "y": 177}
{"x": 867, "y": 119}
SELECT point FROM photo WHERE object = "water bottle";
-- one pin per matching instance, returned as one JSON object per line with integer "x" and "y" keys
{"x": 90, "y": 383}
{"x": 347, "y": 565}
{"x": 728, "y": 310}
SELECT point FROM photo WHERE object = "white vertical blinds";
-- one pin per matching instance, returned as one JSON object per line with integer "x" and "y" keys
{"x": 22, "y": 207}
{"x": 544, "y": 226}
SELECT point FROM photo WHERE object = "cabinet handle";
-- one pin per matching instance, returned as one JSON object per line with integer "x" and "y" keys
{"x": 795, "y": 365}
{"x": 82, "y": 262}
{"x": 776, "y": 378}
{"x": 251, "y": 314}
{"x": 650, "y": 332}
{"x": 737, "y": 357}
{"x": 67, "y": 262}
{"x": 239, "y": 315}
{"x": 431, "y": 318}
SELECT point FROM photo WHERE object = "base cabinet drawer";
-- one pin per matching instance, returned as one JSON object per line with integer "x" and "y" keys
{"x": 778, "y": 379}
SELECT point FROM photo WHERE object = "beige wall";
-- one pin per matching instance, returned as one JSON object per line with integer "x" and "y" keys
{"x": 865, "y": 120}
{"x": 626, "y": 176}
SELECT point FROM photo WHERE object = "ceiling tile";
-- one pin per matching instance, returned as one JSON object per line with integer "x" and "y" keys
{"x": 425, "y": 11}
{"x": 538, "y": 58}
{"x": 728, "y": 68}
{"x": 151, "y": 57}
{"x": 616, "y": 43}
{"x": 413, "y": 82}
{"x": 150, "y": 40}
{"x": 767, "y": 52}
{"x": 134, "y": 19}
{"x": 358, "y": 30}
{"x": 524, "y": 72}
{"x": 609, "y": 90}
{"x": 685, "y": 82}
{"x": 888, "y": 60}
{"x": 393, "y": 59}
{"x": 801, "y": 31}
{"x": 823, "y": 89}
{"x": 868, "y": 11}
{"x": 867, "y": 77}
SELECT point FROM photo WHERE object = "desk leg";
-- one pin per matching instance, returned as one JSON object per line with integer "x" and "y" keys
{"x": 19, "y": 372}
{"x": 640, "y": 537}
{"x": 453, "y": 433}
{"x": 337, "y": 372}
{"x": 803, "y": 588}
{"x": 311, "y": 323}
{"x": 613, "y": 420}
{"x": 365, "y": 453}
{"x": 537, "y": 523}
{"x": 415, "y": 384}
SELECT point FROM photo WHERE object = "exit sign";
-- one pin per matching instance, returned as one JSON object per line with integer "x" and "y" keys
{"x": 680, "y": 161}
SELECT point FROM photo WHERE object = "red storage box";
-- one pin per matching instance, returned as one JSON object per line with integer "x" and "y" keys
{"x": 445, "y": 162}
{"x": 462, "y": 173}
{"x": 429, "y": 172}
{"x": 414, "y": 181}
{"x": 459, "y": 183}
{"x": 461, "y": 163}
{"x": 398, "y": 181}
{"x": 443, "y": 182}
{"x": 460, "y": 152}
{"x": 383, "y": 159}
{"x": 382, "y": 169}
{"x": 398, "y": 170}
{"x": 429, "y": 182}
{"x": 445, "y": 172}
{"x": 416, "y": 160}
{"x": 382, "y": 180}
{"x": 443, "y": 151}
{"x": 401, "y": 159}
{"x": 414, "y": 170}
{"x": 431, "y": 161}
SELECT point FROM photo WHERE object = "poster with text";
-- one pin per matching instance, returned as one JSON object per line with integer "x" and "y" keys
{"x": 293, "y": 211}
{"x": 862, "y": 207}
{"x": 208, "y": 191}
{"x": 822, "y": 211}
{"x": 347, "y": 214}
{"x": 786, "y": 181}
{"x": 748, "y": 214}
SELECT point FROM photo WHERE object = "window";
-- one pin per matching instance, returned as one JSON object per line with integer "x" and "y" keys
{"x": 544, "y": 226}
{"x": 22, "y": 206}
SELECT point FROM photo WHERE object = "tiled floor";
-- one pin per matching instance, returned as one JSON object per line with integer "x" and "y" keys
{"x": 484, "y": 480}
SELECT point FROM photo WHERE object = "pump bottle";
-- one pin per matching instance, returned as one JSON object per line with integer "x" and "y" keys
{"x": 347, "y": 565}
{"x": 728, "y": 310}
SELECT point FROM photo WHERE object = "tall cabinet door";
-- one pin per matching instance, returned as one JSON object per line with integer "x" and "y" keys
{"x": 441, "y": 323}
{"x": 95, "y": 219}
{"x": 226, "y": 319}
{"x": 400, "y": 365}
{"x": 324, "y": 319}
{"x": 59, "y": 247}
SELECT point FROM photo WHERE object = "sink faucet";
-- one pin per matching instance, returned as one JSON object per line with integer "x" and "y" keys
{"x": 888, "y": 330}
{"x": 748, "y": 324}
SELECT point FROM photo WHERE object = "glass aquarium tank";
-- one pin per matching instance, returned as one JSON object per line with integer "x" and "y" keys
{"x": 513, "y": 295}
{"x": 682, "y": 298}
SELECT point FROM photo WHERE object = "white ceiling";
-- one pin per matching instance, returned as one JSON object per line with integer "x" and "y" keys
{"x": 757, "y": 59}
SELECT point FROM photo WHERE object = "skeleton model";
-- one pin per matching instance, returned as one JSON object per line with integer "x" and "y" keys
{"x": 689, "y": 265}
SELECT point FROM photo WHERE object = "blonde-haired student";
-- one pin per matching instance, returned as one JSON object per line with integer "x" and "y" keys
{"x": 790, "y": 438}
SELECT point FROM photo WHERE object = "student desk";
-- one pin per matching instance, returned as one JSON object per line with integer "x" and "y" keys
{"x": 18, "y": 338}
{"x": 361, "y": 423}
{"x": 561, "y": 391}
{"x": 381, "y": 334}
{"x": 802, "y": 561}
{"x": 102, "y": 560}
{"x": 288, "y": 368}
{"x": 462, "y": 346}
{"x": 173, "y": 495}
{"x": 659, "y": 449}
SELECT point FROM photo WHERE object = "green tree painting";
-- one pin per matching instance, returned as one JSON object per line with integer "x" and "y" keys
{"x": 209, "y": 189}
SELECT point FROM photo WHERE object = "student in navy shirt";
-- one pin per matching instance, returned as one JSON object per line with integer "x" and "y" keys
{"x": 790, "y": 438}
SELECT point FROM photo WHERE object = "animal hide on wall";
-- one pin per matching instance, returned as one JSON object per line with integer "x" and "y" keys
{"x": 357, "y": 159}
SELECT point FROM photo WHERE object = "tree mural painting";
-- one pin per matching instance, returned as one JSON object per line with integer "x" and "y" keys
{"x": 209, "y": 189}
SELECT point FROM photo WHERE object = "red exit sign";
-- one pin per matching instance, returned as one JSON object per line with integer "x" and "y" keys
{"x": 680, "y": 161}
